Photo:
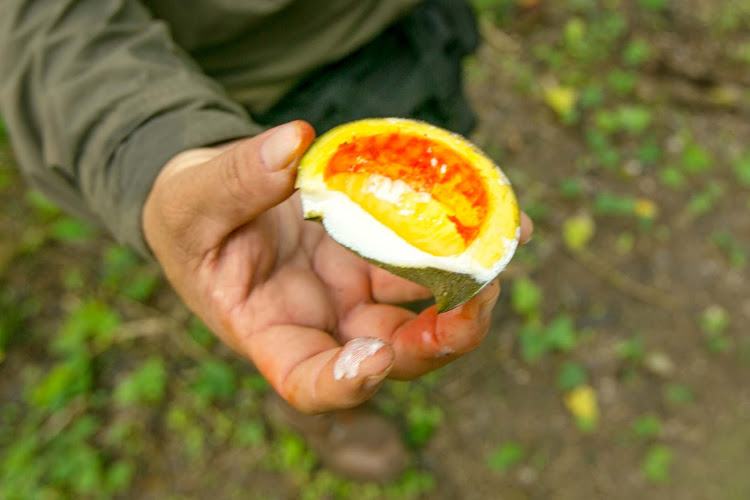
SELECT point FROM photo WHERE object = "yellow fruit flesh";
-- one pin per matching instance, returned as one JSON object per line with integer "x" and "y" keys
{"x": 416, "y": 217}
{"x": 423, "y": 190}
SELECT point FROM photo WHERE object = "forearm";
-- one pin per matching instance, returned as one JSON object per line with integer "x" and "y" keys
{"x": 97, "y": 98}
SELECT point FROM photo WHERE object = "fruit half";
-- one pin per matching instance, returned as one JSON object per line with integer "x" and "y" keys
{"x": 417, "y": 200}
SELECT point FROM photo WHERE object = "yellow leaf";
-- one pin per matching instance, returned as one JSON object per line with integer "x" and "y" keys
{"x": 561, "y": 99}
{"x": 581, "y": 402}
{"x": 645, "y": 209}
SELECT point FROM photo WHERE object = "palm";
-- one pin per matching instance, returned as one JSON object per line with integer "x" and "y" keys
{"x": 230, "y": 237}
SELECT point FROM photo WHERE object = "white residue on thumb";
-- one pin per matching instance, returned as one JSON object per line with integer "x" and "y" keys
{"x": 354, "y": 352}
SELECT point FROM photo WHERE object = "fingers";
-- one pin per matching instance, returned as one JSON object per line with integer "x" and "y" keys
{"x": 527, "y": 228}
{"x": 428, "y": 340}
{"x": 233, "y": 185}
{"x": 313, "y": 373}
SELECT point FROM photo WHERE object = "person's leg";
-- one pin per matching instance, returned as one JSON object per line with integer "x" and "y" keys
{"x": 412, "y": 70}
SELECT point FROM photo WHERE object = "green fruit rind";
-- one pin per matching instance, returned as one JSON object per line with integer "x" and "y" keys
{"x": 449, "y": 289}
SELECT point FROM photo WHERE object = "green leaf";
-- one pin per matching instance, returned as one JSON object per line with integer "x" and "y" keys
{"x": 421, "y": 424}
{"x": 634, "y": 119}
{"x": 657, "y": 464}
{"x": 118, "y": 476}
{"x": 91, "y": 320}
{"x": 654, "y": 5}
{"x": 571, "y": 187}
{"x": 533, "y": 342}
{"x": 637, "y": 52}
{"x": 44, "y": 210}
{"x": 678, "y": 394}
{"x": 631, "y": 349}
{"x": 71, "y": 230}
{"x": 574, "y": 34}
{"x": 591, "y": 96}
{"x": 672, "y": 177}
{"x": 80, "y": 468}
{"x": 741, "y": 167}
{"x": 142, "y": 285}
{"x": 612, "y": 204}
{"x": 215, "y": 381}
{"x": 571, "y": 375}
{"x": 622, "y": 82}
{"x": 506, "y": 456}
{"x": 561, "y": 333}
{"x": 696, "y": 159}
{"x": 526, "y": 297}
{"x": 62, "y": 383}
{"x": 200, "y": 333}
{"x": 704, "y": 201}
{"x": 649, "y": 153}
{"x": 250, "y": 432}
{"x": 125, "y": 272}
{"x": 145, "y": 385}
{"x": 735, "y": 252}
{"x": 715, "y": 320}
{"x": 647, "y": 426}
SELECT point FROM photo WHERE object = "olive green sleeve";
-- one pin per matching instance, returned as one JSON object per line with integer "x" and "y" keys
{"x": 96, "y": 98}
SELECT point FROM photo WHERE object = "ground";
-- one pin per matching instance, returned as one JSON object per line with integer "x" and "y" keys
{"x": 618, "y": 362}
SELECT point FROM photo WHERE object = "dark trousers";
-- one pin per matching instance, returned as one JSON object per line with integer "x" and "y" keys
{"x": 411, "y": 70}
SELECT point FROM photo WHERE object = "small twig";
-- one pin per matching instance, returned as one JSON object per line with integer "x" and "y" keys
{"x": 59, "y": 420}
{"x": 156, "y": 325}
{"x": 624, "y": 283}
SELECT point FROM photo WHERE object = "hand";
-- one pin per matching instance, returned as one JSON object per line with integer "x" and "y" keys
{"x": 227, "y": 228}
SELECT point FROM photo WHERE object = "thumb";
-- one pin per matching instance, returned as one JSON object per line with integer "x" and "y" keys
{"x": 223, "y": 191}
{"x": 252, "y": 176}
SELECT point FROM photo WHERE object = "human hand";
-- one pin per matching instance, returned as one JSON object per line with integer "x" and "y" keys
{"x": 318, "y": 321}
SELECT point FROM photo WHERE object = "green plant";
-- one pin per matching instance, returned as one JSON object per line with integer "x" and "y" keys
{"x": 578, "y": 231}
{"x": 621, "y": 81}
{"x": 526, "y": 298}
{"x": 636, "y": 52}
{"x": 678, "y": 394}
{"x": 657, "y": 463}
{"x": 631, "y": 349}
{"x": 735, "y": 252}
{"x": 654, "y": 5}
{"x": 145, "y": 385}
{"x": 647, "y": 426}
{"x": 506, "y": 456}
{"x": 741, "y": 168}
{"x": 215, "y": 381}
{"x": 125, "y": 273}
{"x": 71, "y": 230}
{"x": 571, "y": 375}
{"x": 705, "y": 200}
{"x": 537, "y": 340}
{"x": 672, "y": 177}
{"x": 421, "y": 423}
{"x": 696, "y": 159}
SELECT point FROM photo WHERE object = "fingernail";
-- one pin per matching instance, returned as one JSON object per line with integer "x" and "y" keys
{"x": 354, "y": 352}
{"x": 373, "y": 381}
{"x": 279, "y": 148}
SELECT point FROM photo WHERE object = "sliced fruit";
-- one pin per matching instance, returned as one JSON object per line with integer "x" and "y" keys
{"x": 413, "y": 198}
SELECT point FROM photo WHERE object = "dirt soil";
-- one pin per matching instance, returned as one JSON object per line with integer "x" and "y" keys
{"x": 649, "y": 281}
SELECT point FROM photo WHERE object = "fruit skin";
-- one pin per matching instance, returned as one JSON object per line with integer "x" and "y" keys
{"x": 450, "y": 287}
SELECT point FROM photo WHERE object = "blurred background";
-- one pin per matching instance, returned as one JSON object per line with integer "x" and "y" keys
{"x": 618, "y": 365}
